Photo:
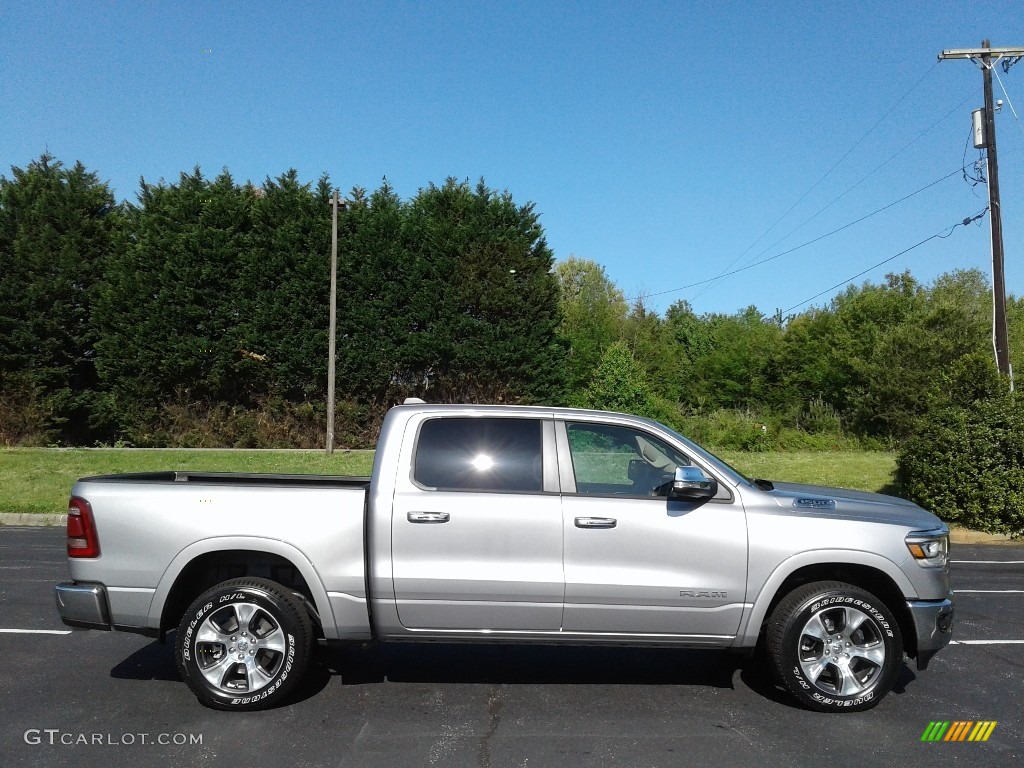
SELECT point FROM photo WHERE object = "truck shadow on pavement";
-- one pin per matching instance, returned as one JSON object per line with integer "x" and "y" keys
{"x": 551, "y": 665}
{"x": 151, "y": 662}
{"x": 375, "y": 664}
{"x": 523, "y": 664}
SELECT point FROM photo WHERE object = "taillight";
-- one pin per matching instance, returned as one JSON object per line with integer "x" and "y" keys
{"x": 82, "y": 538}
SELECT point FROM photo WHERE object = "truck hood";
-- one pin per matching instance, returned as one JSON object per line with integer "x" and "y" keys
{"x": 846, "y": 504}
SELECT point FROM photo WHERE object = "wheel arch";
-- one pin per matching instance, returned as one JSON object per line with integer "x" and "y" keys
{"x": 869, "y": 572}
{"x": 209, "y": 562}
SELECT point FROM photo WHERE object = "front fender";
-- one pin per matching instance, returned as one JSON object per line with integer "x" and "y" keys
{"x": 750, "y": 627}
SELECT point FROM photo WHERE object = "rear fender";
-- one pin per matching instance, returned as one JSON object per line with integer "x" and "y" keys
{"x": 252, "y": 544}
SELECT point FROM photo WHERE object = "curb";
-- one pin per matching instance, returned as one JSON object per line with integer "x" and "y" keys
{"x": 964, "y": 536}
{"x": 32, "y": 518}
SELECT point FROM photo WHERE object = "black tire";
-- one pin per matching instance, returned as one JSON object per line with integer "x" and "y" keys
{"x": 835, "y": 647}
{"x": 244, "y": 644}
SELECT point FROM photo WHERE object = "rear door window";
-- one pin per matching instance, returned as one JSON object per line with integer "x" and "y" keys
{"x": 480, "y": 454}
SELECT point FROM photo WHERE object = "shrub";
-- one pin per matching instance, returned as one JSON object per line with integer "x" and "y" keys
{"x": 966, "y": 464}
{"x": 24, "y": 417}
{"x": 734, "y": 430}
{"x": 618, "y": 384}
{"x": 270, "y": 423}
{"x": 820, "y": 417}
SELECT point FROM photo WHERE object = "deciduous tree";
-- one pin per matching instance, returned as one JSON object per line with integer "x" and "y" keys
{"x": 593, "y": 316}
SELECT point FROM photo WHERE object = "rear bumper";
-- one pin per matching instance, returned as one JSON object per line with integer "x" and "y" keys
{"x": 83, "y": 605}
{"x": 933, "y": 624}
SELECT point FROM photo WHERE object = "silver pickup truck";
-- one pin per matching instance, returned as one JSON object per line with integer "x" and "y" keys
{"x": 511, "y": 524}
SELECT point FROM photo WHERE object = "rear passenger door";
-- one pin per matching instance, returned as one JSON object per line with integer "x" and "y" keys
{"x": 477, "y": 527}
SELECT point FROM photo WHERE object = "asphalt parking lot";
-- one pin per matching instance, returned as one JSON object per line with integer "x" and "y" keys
{"x": 96, "y": 698}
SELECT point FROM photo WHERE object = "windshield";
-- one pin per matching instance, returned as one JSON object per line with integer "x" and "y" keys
{"x": 727, "y": 469}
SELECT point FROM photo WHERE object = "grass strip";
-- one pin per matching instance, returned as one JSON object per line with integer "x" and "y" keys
{"x": 860, "y": 470}
{"x": 39, "y": 480}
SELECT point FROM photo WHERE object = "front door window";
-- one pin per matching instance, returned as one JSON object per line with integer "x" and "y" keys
{"x": 609, "y": 460}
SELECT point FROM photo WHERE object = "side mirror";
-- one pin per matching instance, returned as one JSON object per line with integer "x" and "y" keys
{"x": 691, "y": 484}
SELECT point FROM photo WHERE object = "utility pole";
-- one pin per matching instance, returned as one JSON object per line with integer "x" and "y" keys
{"x": 987, "y": 57}
{"x": 333, "y": 323}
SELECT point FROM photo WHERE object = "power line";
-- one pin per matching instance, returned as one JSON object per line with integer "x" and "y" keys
{"x": 802, "y": 245}
{"x": 891, "y": 157}
{"x": 1007, "y": 95}
{"x": 938, "y": 235}
{"x": 825, "y": 176}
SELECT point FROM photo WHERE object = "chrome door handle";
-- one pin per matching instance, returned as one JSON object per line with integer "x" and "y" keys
{"x": 428, "y": 517}
{"x": 596, "y": 522}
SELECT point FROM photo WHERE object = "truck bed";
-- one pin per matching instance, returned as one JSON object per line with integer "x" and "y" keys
{"x": 152, "y": 525}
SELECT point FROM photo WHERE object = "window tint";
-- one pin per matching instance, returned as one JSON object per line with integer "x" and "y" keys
{"x": 621, "y": 460}
{"x": 480, "y": 454}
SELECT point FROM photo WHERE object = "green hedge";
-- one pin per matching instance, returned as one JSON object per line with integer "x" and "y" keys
{"x": 966, "y": 464}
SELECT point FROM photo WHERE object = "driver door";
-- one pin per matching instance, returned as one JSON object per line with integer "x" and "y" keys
{"x": 635, "y": 562}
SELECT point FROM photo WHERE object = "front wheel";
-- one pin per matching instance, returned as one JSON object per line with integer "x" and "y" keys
{"x": 244, "y": 644}
{"x": 835, "y": 647}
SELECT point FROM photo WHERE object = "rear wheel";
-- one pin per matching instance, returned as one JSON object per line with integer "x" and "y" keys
{"x": 244, "y": 644}
{"x": 834, "y": 646}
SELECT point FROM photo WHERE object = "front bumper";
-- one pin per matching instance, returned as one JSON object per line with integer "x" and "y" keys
{"x": 83, "y": 605}
{"x": 933, "y": 624}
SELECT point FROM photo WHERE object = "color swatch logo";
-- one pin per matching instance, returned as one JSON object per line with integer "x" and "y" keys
{"x": 959, "y": 730}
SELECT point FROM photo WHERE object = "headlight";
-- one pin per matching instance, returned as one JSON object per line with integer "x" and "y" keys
{"x": 929, "y": 548}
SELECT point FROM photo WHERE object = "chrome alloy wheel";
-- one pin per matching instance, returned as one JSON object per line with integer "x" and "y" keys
{"x": 240, "y": 647}
{"x": 841, "y": 650}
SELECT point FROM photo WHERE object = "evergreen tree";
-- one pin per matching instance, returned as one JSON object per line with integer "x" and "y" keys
{"x": 380, "y": 323}
{"x": 172, "y": 308}
{"x": 485, "y": 304}
{"x": 283, "y": 289}
{"x": 57, "y": 229}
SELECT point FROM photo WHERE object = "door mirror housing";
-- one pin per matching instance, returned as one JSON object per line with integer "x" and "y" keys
{"x": 691, "y": 484}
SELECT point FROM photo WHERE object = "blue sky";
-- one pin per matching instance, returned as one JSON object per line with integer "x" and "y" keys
{"x": 662, "y": 140}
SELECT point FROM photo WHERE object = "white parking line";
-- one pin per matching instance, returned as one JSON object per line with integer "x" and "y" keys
{"x": 990, "y": 562}
{"x": 989, "y": 591}
{"x": 986, "y": 642}
{"x": 36, "y": 631}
